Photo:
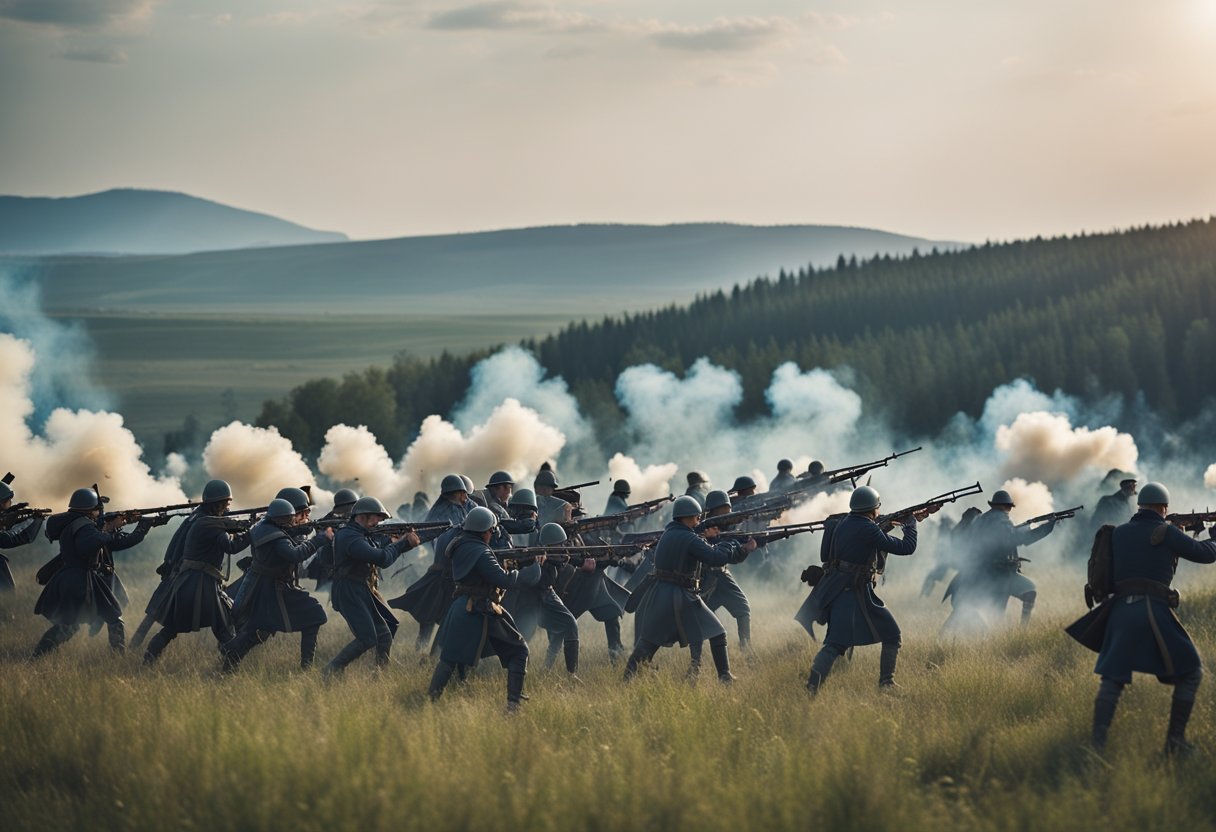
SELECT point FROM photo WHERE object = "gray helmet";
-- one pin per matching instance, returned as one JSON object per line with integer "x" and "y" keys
{"x": 468, "y": 484}
{"x": 716, "y": 499}
{"x": 785, "y": 465}
{"x": 815, "y": 468}
{"x": 479, "y": 520}
{"x": 743, "y": 483}
{"x": 500, "y": 478}
{"x": 452, "y": 483}
{"x": 551, "y": 533}
{"x": 1001, "y": 498}
{"x": 546, "y": 479}
{"x": 6, "y": 493}
{"x": 216, "y": 490}
{"x": 369, "y": 505}
{"x": 345, "y": 497}
{"x": 296, "y": 496}
{"x": 83, "y": 499}
{"x": 1153, "y": 494}
{"x": 685, "y": 507}
{"x": 697, "y": 477}
{"x": 864, "y": 498}
{"x": 622, "y": 487}
{"x": 523, "y": 497}
{"x": 279, "y": 508}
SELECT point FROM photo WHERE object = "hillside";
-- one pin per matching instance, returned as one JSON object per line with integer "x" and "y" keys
{"x": 129, "y": 221}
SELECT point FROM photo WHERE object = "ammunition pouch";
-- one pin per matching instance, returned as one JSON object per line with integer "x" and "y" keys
{"x": 1148, "y": 588}
{"x": 482, "y": 598}
{"x": 680, "y": 579}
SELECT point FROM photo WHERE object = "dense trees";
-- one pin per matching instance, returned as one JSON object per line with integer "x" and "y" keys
{"x": 926, "y": 335}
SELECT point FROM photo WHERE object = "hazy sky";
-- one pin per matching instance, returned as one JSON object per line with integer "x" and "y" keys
{"x": 951, "y": 119}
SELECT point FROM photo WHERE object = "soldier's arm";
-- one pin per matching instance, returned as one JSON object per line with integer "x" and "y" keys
{"x": 719, "y": 555}
{"x": 21, "y": 534}
{"x": 362, "y": 549}
{"x": 285, "y": 549}
{"x": 895, "y": 545}
{"x": 491, "y": 570}
{"x": 1027, "y": 536}
{"x": 1188, "y": 548}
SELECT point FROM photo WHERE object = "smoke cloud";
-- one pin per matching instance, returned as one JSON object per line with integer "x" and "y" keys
{"x": 647, "y": 483}
{"x": 1031, "y": 499}
{"x": 257, "y": 462}
{"x": 1046, "y": 447}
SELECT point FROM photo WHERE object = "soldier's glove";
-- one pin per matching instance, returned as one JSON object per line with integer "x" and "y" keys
{"x": 163, "y": 570}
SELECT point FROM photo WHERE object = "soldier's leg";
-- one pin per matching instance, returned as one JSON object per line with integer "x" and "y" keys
{"x": 308, "y": 646}
{"x": 1028, "y": 599}
{"x": 612, "y": 629}
{"x": 886, "y": 663}
{"x": 362, "y": 625}
{"x": 694, "y": 659}
{"x": 517, "y": 670}
{"x": 235, "y": 650}
{"x": 222, "y": 629}
{"x": 555, "y": 647}
{"x": 643, "y": 651}
{"x": 141, "y": 632}
{"x": 53, "y": 638}
{"x": 423, "y": 643}
{"x": 116, "y": 631}
{"x": 736, "y": 604}
{"x": 158, "y": 643}
{"x": 821, "y": 665}
{"x": 1105, "y": 704}
{"x": 1183, "y": 703}
{"x": 717, "y": 649}
{"x": 439, "y": 679}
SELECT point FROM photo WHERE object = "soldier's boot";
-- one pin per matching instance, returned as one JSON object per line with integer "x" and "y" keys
{"x": 116, "y": 631}
{"x": 515, "y": 688}
{"x": 308, "y": 647}
{"x": 717, "y": 649}
{"x": 886, "y": 665}
{"x": 384, "y": 652}
{"x": 643, "y": 652}
{"x": 1028, "y": 606}
{"x": 157, "y": 645}
{"x": 1176, "y": 744}
{"x": 141, "y": 632}
{"x": 821, "y": 666}
{"x": 612, "y": 629}
{"x": 570, "y": 650}
{"x": 52, "y": 639}
{"x": 695, "y": 653}
{"x": 345, "y": 656}
{"x": 1105, "y": 704}
{"x": 424, "y": 637}
{"x": 745, "y": 632}
{"x": 439, "y": 680}
{"x": 235, "y": 650}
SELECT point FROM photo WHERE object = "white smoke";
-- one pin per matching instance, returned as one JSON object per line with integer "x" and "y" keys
{"x": 1030, "y": 499}
{"x": 256, "y": 463}
{"x": 1046, "y": 447}
{"x": 1209, "y": 476}
{"x": 647, "y": 483}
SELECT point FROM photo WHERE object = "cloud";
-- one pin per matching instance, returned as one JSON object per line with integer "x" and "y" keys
{"x": 76, "y": 14}
{"x": 97, "y": 55}
{"x": 500, "y": 16}
{"x": 740, "y": 34}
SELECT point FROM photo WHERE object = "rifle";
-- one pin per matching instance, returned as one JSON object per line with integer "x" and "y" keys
{"x": 21, "y": 512}
{"x": 426, "y": 531}
{"x": 564, "y": 553}
{"x": 1193, "y": 521}
{"x": 775, "y": 533}
{"x": 734, "y": 518}
{"x": 643, "y": 539}
{"x": 130, "y": 515}
{"x": 1066, "y": 514}
{"x": 611, "y": 521}
{"x": 930, "y": 505}
{"x": 247, "y": 512}
{"x": 852, "y": 472}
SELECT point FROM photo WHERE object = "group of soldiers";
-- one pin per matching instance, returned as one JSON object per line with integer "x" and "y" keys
{"x": 506, "y": 562}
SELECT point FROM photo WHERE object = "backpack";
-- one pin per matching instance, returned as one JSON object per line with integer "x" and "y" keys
{"x": 1100, "y": 571}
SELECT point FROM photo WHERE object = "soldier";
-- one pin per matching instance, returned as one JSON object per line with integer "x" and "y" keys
{"x": 993, "y": 571}
{"x": 549, "y": 509}
{"x": 671, "y": 610}
{"x": 497, "y": 498}
{"x": 844, "y": 596}
{"x": 20, "y": 534}
{"x": 270, "y": 600}
{"x": 533, "y": 604}
{"x": 476, "y": 625}
{"x": 195, "y": 598}
{"x": 785, "y": 478}
{"x": 743, "y": 488}
{"x": 952, "y": 554}
{"x": 719, "y": 587}
{"x": 321, "y": 567}
{"x": 618, "y": 500}
{"x": 1134, "y": 629}
{"x": 81, "y": 591}
{"x": 475, "y": 496}
{"x": 522, "y": 508}
{"x": 1115, "y": 509}
{"x": 698, "y": 486}
{"x": 358, "y": 557}
{"x": 816, "y": 477}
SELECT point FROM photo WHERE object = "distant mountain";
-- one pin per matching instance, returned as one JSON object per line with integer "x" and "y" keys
{"x": 128, "y": 221}
{"x": 582, "y": 270}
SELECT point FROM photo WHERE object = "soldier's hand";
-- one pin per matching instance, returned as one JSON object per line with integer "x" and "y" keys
{"x": 588, "y": 564}
{"x": 329, "y": 532}
{"x": 567, "y": 513}
{"x": 540, "y": 559}
{"x": 921, "y": 516}
{"x": 712, "y": 532}
{"x": 412, "y": 538}
{"x": 1212, "y": 532}
{"x": 750, "y": 545}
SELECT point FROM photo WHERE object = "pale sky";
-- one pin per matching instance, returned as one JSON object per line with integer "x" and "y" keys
{"x": 950, "y": 119}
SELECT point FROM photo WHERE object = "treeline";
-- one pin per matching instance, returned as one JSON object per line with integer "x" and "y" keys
{"x": 926, "y": 336}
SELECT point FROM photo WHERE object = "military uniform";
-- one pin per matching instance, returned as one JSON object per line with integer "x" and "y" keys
{"x": 534, "y": 603}
{"x": 993, "y": 572}
{"x": 167, "y": 571}
{"x": 596, "y": 593}
{"x": 427, "y": 599}
{"x": 20, "y": 535}
{"x": 782, "y": 482}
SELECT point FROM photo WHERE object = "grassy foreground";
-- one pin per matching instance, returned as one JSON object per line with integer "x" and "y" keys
{"x": 982, "y": 735}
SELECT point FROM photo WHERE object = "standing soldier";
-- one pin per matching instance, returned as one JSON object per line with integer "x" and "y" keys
{"x": 270, "y": 599}
{"x": 358, "y": 557}
{"x": 497, "y": 497}
{"x": 549, "y": 509}
{"x": 476, "y": 625}
{"x": 719, "y": 587}
{"x": 953, "y": 545}
{"x": 321, "y": 567}
{"x": 618, "y": 500}
{"x": 698, "y": 486}
{"x": 844, "y": 596}
{"x": 1115, "y": 509}
{"x": 533, "y": 604}
{"x": 81, "y": 591}
{"x": 671, "y": 611}
{"x": 1134, "y": 628}
{"x": 20, "y": 534}
{"x": 785, "y": 478}
{"x": 195, "y": 598}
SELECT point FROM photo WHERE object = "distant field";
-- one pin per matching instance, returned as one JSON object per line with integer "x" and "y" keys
{"x": 161, "y": 368}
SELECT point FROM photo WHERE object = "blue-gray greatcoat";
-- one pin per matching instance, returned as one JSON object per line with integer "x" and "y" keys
{"x": 671, "y": 611}
{"x": 82, "y": 591}
{"x": 844, "y": 598}
{"x": 168, "y": 566}
{"x": 23, "y": 533}
{"x": 195, "y": 598}
{"x": 427, "y": 599}
{"x": 357, "y": 559}
{"x": 1135, "y": 631}
{"x": 269, "y": 598}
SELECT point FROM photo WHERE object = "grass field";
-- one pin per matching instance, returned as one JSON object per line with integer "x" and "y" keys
{"x": 162, "y": 368}
{"x": 982, "y": 735}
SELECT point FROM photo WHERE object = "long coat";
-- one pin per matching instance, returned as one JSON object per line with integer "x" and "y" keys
{"x": 82, "y": 591}
{"x": 844, "y": 598}
{"x": 168, "y": 566}
{"x": 1136, "y": 631}
{"x": 269, "y": 598}
{"x": 23, "y": 534}
{"x": 427, "y": 599}
{"x": 195, "y": 599}
{"x": 992, "y": 573}
{"x": 671, "y": 610}
{"x": 357, "y": 559}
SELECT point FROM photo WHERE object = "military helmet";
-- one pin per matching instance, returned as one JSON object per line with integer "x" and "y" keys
{"x": 622, "y": 487}
{"x": 500, "y": 478}
{"x": 279, "y": 508}
{"x": 1153, "y": 494}
{"x": 743, "y": 483}
{"x": 83, "y": 499}
{"x": 697, "y": 478}
{"x": 546, "y": 479}
{"x": 1001, "y": 498}
{"x": 864, "y": 498}
{"x": 216, "y": 490}
{"x": 6, "y": 493}
{"x": 523, "y": 497}
{"x": 452, "y": 483}
{"x": 551, "y": 533}
{"x": 785, "y": 465}
{"x": 345, "y": 497}
{"x": 480, "y": 520}
{"x": 296, "y": 496}
{"x": 370, "y": 505}
{"x": 685, "y": 507}
{"x": 716, "y": 499}
{"x": 815, "y": 468}
{"x": 468, "y": 484}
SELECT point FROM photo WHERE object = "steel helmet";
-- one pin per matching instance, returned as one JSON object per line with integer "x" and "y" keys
{"x": 6, "y": 493}
{"x": 743, "y": 483}
{"x": 622, "y": 487}
{"x": 552, "y": 533}
{"x": 685, "y": 507}
{"x": 500, "y": 478}
{"x": 480, "y": 520}
{"x": 1001, "y": 498}
{"x": 815, "y": 468}
{"x": 545, "y": 479}
{"x": 345, "y": 497}
{"x": 523, "y": 497}
{"x": 216, "y": 490}
{"x": 370, "y": 505}
{"x": 785, "y": 465}
{"x": 697, "y": 477}
{"x": 452, "y": 483}
{"x": 83, "y": 499}
{"x": 716, "y": 499}
{"x": 279, "y": 508}
{"x": 296, "y": 496}
{"x": 1153, "y": 494}
{"x": 468, "y": 484}
{"x": 864, "y": 498}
